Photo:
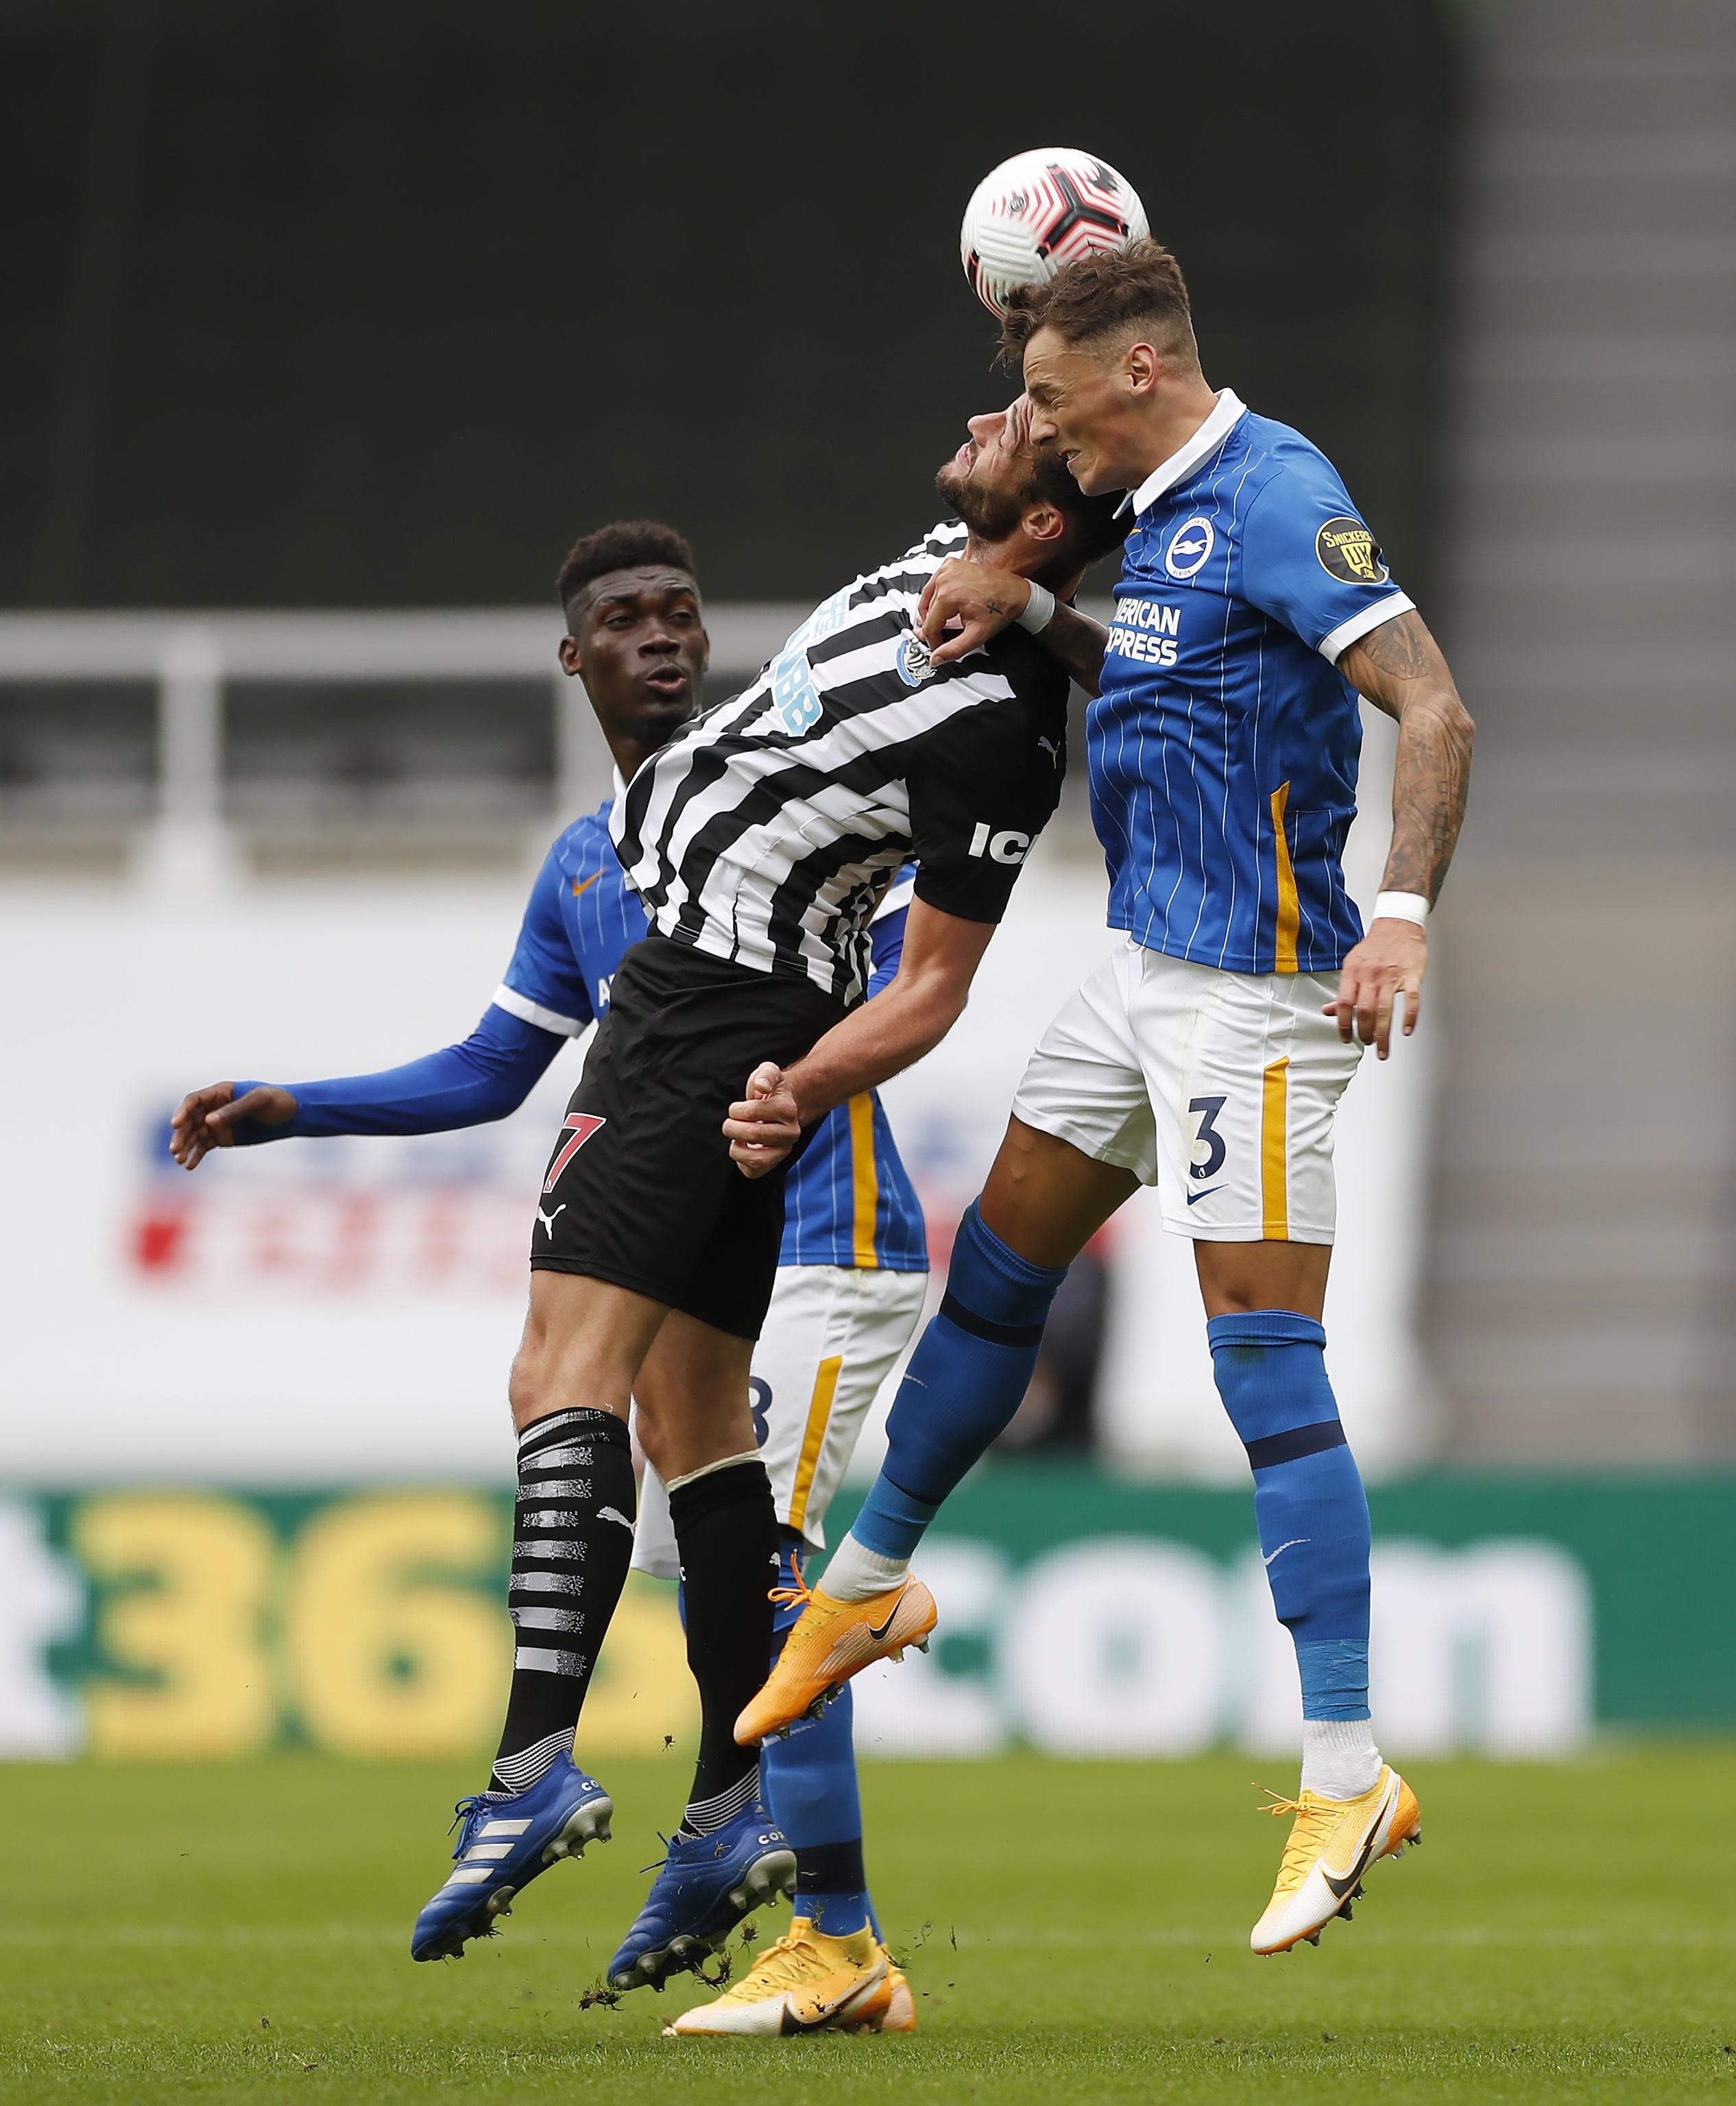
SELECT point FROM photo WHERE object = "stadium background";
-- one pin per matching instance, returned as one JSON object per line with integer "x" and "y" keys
{"x": 346, "y": 310}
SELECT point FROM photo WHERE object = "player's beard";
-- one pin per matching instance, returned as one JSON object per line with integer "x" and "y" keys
{"x": 990, "y": 514}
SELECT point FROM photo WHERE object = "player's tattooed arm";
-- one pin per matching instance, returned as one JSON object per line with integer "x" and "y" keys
{"x": 1077, "y": 644}
{"x": 964, "y": 604}
{"x": 1399, "y": 668}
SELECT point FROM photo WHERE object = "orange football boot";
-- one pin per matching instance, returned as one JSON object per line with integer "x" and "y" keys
{"x": 1333, "y": 1842}
{"x": 832, "y": 1641}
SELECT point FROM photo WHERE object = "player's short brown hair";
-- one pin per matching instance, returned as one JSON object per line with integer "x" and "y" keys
{"x": 1106, "y": 293}
{"x": 624, "y": 544}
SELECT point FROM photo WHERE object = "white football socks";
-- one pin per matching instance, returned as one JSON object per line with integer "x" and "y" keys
{"x": 1339, "y": 1758}
{"x": 856, "y": 1573}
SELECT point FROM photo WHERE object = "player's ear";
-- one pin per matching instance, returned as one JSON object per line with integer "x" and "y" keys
{"x": 1044, "y": 523}
{"x": 569, "y": 656}
{"x": 1141, "y": 365}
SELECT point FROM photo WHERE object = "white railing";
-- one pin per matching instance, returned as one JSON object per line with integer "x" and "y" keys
{"x": 190, "y": 658}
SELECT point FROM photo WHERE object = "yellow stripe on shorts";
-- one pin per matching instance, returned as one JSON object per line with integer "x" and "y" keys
{"x": 1275, "y": 1154}
{"x": 866, "y": 1177}
{"x": 1290, "y": 908}
{"x": 819, "y": 1418}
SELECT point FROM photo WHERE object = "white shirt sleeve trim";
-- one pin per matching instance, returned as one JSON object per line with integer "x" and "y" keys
{"x": 901, "y": 895}
{"x": 1332, "y": 646}
{"x": 532, "y": 1012}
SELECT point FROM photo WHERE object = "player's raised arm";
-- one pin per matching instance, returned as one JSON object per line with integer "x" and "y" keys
{"x": 925, "y": 998}
{"x": 964, "y": 604}
{"x": 1399, "y": 668}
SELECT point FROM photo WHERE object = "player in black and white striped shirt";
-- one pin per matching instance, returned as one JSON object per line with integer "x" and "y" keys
{"x": 762, "y": 839}
{"x": 765, "y": 832}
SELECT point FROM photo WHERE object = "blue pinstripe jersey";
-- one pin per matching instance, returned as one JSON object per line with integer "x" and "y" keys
{"x": 1223, "y": 744}
{"x": 849, "y": 1201}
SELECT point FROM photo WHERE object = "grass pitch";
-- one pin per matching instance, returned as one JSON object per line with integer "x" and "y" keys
{"x": 1075, "y": 1932}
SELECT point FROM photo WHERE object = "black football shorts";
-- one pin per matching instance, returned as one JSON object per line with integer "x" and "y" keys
{"x": 639, "y": 1189}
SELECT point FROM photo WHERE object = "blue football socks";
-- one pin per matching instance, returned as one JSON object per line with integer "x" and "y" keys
{"x": 1308, "y": 1501}
{"x": 967, "y": 1377}
{"x": 810, "y": 1790}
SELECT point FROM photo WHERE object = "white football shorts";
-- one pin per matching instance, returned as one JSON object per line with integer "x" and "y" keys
{"x": 1219, "y": 1088}
{"x": 833, "y": 1335}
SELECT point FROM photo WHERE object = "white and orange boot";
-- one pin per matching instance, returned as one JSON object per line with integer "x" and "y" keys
{"x": 829, "y": 1642}
{"x": 1332, "y": 1843}
{"x": 806, "y": 1982}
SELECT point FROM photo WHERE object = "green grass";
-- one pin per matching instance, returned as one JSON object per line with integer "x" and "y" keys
{"x": 1075, "y": 1932}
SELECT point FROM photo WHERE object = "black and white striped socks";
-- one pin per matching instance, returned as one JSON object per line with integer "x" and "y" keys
{"x": 573, "y": 1538}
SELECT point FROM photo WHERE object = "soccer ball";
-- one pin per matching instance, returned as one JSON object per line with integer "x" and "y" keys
{"x": 1040, "y": 210}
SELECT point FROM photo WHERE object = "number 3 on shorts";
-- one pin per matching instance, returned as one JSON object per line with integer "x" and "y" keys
{"x": 1209, "y": 1108}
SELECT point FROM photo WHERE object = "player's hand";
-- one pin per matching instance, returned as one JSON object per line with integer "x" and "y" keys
{"x": 207, "y": 1118}
{"x": 1391, "y": 959}
{"x": 764, "y": 1125}
{"x": 963, "y": 605}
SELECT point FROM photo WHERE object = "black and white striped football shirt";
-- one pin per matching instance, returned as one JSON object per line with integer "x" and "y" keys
{"x": 767, "y": 829}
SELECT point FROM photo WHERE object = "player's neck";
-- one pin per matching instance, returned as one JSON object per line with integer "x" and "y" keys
{"x": 1174, "y": 415}
{"x": 630, "y": 754}
{"x": 1029, "y": 560}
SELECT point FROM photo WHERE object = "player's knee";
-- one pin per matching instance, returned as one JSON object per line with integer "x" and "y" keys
{"x": 532, "y": 1388}
{"x": 650, "y": 1431}
{"x": 1015, "y": 1175}
{"x": 526, "y": 1389}
{"x": 1243, "y": 1278}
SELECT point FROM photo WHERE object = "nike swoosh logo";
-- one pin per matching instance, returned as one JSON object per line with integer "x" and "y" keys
{"x": 589, "y": 882}
{"x": 1341, "y": 1886}
{"x": 1194, "y": 1197}
{"x": 1295, "y": 1543}
{"x": 876, "y": 1636}
{"x": 827, "y": 2010}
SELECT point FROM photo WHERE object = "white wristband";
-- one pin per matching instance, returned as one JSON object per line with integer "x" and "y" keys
{"x": 1039, "y": 609}
{"x": 1402, "y": 907}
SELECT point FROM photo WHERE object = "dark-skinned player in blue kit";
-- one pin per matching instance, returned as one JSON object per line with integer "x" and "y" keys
{"x": 1206, "y": 1054}
{"x": 852, "y": 1273}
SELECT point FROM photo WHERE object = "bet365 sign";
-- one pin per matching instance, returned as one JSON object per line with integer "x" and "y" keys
{"x": 1076, "y": 1616}
{"x": 195, "y": 1625}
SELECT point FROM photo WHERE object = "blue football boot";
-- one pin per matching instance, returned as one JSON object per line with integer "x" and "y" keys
{"x": 707, "y": 1885}
{"x": 503, "y": 1844}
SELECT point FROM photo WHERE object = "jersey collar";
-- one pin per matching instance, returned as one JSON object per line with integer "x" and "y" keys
{"x": 1181, "y": 464}
{"x": 620, "y": 789}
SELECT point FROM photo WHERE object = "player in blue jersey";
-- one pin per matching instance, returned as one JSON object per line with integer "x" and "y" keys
{"x": 850, "y": 1285}
{"x": 1207, "y": 1054}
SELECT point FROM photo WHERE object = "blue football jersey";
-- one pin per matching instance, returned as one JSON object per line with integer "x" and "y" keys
{"x": 849, "y": 1201}
{"x": 1223, "y": 744}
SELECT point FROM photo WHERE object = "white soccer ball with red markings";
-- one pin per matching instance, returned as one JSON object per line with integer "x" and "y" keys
{"x": 1040, "y": 210}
